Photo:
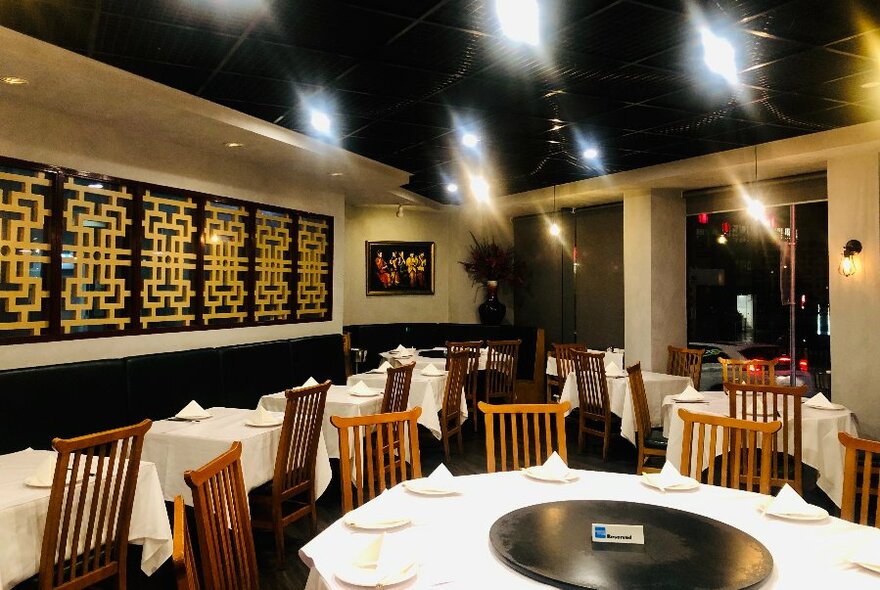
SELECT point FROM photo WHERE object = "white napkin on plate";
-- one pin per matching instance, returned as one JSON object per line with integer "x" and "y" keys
{"x": 820, "y": 401}
{"x": 361, "y": 388}
{"x": 381, "y": 560}
{"x": 44, "y": 474}
{"x": 261, "y": 416}
{"x": 383, "y": 368}
{"x": 193, "y": 411}
{"x": 370, "y": 516}
{"x": 612, "y": 370}
{"x": 554, "y": 467}
{"x": 401, "y": 348}
{"x": 788, "y": 503}
{"x": 432, "y": 371}
{"x": 690, "y": 395}
{"x": 310, "y": 382}
{"x": 669, "y": 477}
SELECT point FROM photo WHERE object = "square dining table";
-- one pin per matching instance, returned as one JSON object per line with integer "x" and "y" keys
{"x": 177, "y": 446}
{"x": 23, "y": 512}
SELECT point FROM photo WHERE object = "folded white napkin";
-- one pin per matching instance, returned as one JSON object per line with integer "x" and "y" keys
{"x": 691, "y": 395}
{"x": 669, "y": 477}
{"x": 788, "y": 503}
{"x": 193, "y": 411}
{"x": 820, "y": 401}
{"x": 310, "y": 382}
{"x": 401, "y": 348}
{"x": 370, "y": 516}
{"x": 613, "y": 370}
{"x": 383, "y": 368}
{"x": 361, "y": 388}
{"x": 555, "y": 467}
{"x": 382, "y": 561}
{"x": 432, "y": 370}
{"x": 261, "y": 416}
{"x": 44, "y": 473}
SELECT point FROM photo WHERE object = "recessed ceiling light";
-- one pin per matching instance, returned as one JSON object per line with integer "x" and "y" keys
{"x": 336, "y": 174}
{"x": 719, "y": 55}
{"x": 519, "y": 19}
{"x": 480, "y": 188}
{"x": 13, "y": 80}
{"x": 469, "y": 140}
{"x": 591, "y": 153}
{"x": 553, "y": 141}
{"x": 233, "y": 144}
{"x": 553, "y": 93}
{"x": 557, "y": 121}
{"x": 451, "y": 188}
{"x": 320, "y": 121}
{"x": 96, "y": 185}
{"x": 556, "y": 127}
{"x": 554, "y": 229}
{"x": 874, "y": 84}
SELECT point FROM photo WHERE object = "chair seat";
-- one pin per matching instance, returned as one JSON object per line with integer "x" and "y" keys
{"x": 656, "y": 440}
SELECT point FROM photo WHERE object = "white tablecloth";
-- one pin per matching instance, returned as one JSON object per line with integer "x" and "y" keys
{"x": 819, "y": 445}
{"x": 657, "y": 387}
{"x": 23, "y": 512}
{"x": 615, "y": 357}
{"x": 339, "y": 403}
{"x": 177, "y": 446}
{"x": 425, "y": 392}
{"x": 450, "y": 537}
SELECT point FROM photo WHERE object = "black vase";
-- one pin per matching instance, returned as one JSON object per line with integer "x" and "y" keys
{"x": 492, "y": 311}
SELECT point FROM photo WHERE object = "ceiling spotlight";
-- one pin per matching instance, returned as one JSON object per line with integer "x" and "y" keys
{"x": 554, "y": 229}
{"x": 320, "y": 121}
{"x": 519, "y": 20}
{"x": 336, "y": 174}
{"x": 480, "y": 188}
{"x": 13, "y": 80}
{"x": 591, "y": 153}
{"x": 469, "y": 140}
{"x": 556, "y": 127}
{"x": 451, "y": 188}
{"x": 233, "y": 145}
{"x": 399, "y": 210}
{"x": 719, "y": 56}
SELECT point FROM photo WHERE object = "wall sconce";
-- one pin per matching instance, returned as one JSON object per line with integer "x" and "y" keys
{"x": 848, "y": 265}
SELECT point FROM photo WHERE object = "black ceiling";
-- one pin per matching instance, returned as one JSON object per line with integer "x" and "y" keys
{"x": 401, "y": 74}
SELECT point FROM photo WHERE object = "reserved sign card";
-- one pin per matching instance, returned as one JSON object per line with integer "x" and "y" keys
{"x": 619, "y": 533}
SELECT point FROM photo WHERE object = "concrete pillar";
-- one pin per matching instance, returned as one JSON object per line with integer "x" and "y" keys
{"x": 654, "y": 275}
{"x": 854, "y": 213}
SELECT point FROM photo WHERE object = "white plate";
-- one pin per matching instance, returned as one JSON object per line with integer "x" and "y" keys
{"x": 868, "y": 566}
{"x": 250, "y": 422}
{"x": 820, "y": 514}
{"x": 423, "y": 488}
{"x": 367, "y": 577}
{"x": 366, "y": 524}
{"x": 834, "y": 407}
{"x": 690, "y": 484}
{"x": 690, "y": 401}
{"x": 371, "y": 394}
{"x": 440, "y": 374}
{"x": 192, "y": 418}
{"x": 535, "y": 472}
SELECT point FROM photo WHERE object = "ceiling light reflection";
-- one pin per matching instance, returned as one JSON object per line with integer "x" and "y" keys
{"x": 320, "y": 121}
{"x": 719, "y": 55}
{"x": 479, "y": 188}
{"x": 520, "y": 20}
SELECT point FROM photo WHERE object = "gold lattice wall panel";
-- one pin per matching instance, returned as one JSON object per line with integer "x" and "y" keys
{"x": 226, "y": 263}
{"x": 168, "y": 260}
{"x": 273, "y": 266}
{"x": 24, "y": 252}
{"x": 96, "y": 257}
{"x": 313, "y": 268}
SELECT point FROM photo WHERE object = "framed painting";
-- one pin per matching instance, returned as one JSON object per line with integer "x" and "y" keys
{"x": 400, "y": 268}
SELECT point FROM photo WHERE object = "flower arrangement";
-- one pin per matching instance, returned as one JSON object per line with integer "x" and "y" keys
{"x": 487, "y": 261}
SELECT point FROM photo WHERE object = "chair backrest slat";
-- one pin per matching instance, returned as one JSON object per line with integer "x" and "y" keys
{"x": 456, "y": 380}
{"x": 685, "y": 362}
{"x": 376, "y": 452}
{"x": 526, "y": 449}
{"x": 755, "y": 372}
{"x": 861, "y": 480}
{"x": 298, "y": 443}
{"x": 86, "y": 535}
{"x": 589, "y": 370}
{"x": 501, "y": 363}
{"x": 565, "y": 360}
{"x": 397, "y": 385}
{"x": 182, "y": 552}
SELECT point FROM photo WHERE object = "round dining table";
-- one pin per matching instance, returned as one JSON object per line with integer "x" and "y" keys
{"x": 446, "y": 538}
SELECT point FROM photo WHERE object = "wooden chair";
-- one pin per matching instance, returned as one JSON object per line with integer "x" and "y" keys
{"x": 223, "y": 523}
{"x": 397, "y": 385}
{"x": 472, "y": 381}
{"x": 346, "y": 351}
{"x": 594, "y": 416}
{"x": 766, "y": 403}
{"x": 685, "y": 362}
{"x": 501, "y": 364}
{"x": 373, "y": 453}
{"x": 861, "y": 479}
{"x": 564, "y": 366}
{"x": 86, "y": 535}
{"x": 182, "y": 553}
{"x": 649, "y": 440}
{"x": 742, "y": 462}
{"x": 755, "y": 372}
{"x": 450, "y": 413}
{"x": 528, "y": 424}
{"x": 291, "y": 493}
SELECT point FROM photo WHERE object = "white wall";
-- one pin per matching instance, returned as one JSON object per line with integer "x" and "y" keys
{"x": 854, "y": 213}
